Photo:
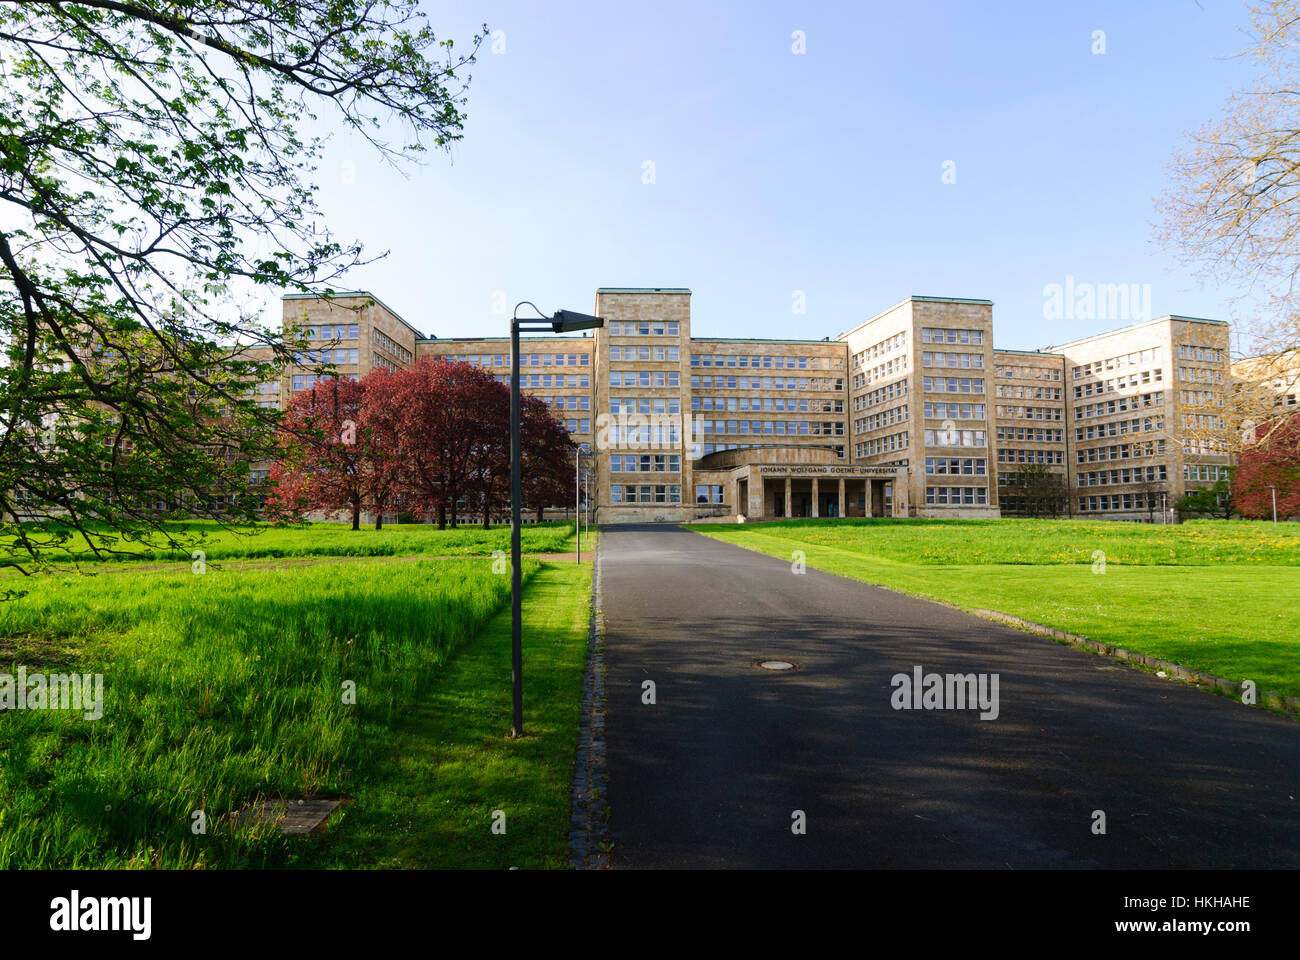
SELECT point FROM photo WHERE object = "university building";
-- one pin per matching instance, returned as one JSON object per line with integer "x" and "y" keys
{"x": 914, "y": 412}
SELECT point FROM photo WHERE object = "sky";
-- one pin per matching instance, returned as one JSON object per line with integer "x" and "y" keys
{"x": 961, "y": 149}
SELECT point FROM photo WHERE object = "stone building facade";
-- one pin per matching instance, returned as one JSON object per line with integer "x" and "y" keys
{"x": 914, "y": 412}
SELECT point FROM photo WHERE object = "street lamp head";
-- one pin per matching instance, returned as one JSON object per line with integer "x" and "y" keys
{"x": 566, "y": 321}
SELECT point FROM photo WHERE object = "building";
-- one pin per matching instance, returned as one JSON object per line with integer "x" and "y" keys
{"x": 914, "y": 412}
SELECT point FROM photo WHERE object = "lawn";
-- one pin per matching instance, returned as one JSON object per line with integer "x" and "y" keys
{"x": 226, "y": 687}
{"x": 265, "y": 541}
{"x": 1211, "y": 595}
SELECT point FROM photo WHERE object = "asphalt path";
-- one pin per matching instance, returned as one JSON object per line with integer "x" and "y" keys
{"x": 731, "y": 761}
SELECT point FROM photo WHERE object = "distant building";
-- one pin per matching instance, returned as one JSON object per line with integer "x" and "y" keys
{"x": 913, "y": 413}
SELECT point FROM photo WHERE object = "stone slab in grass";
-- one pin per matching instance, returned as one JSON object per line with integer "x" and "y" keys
{"x": 294, "y": 817}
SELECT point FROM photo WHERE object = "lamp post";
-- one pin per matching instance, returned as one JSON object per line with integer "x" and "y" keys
{"x": 563, "y": 321}
{"x": 1274, "y": 490}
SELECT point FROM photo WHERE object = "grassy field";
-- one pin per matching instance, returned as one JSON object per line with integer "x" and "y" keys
{"x": 227, "y": 687}
{"x": 445, "y": 767}
{"x": 265, "y": 541}
{"x": 1211, "y": 595}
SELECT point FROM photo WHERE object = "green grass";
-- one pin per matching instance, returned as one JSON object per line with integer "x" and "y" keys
{"x": 264, "y": 541}
{"x": 226, "y": 687}
{"x": 446, "y": 766}
{"x": 1210, "y": 595}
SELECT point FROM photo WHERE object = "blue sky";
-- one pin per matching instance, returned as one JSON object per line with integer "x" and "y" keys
{"x": 776, "y": 172}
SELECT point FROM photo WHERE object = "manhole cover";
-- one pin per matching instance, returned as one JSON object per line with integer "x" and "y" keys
{"x": 777, "y": 665}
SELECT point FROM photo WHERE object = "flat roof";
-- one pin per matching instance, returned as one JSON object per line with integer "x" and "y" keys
{"x": 1134, "y": 326}
{"x": 557, "y": 337}
{"x": 1030, "y": 353}
{"x": 828, "y": 342}
{"x": 916, "y": 296}
{"x": 643, "y": 289}
{"x": 347, "y": 294}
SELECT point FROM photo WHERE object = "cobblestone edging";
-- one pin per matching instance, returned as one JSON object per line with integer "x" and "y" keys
{"x": 588, "y": 828}
{"x": 1174, "y": 671}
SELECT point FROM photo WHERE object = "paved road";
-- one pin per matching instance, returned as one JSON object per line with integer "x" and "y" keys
{"x": 710, "y": 775}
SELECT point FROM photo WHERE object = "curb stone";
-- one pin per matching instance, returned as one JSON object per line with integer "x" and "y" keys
{"x": 1174, "y": 671}
{"x": 587, "y": 825}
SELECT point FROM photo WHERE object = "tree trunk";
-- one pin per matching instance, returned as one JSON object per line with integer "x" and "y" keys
{"x": 379, "y": 519}
{"x": 540, "y": 513}
{"x": 442, "y": 514}
{"x": 487, "y": 513}
{"x": 356, "y": 516}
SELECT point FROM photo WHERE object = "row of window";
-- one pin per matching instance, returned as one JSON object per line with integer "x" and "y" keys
{"x": 953, "y": 384}
{"x": 311, "y": 357}
{"x": 968, "y": 466}
{"x": 1020, "y": 455}
{"x": 767, "y": 383}
{"x": 550, "y": 379}
{"x": 966, "y": 360}
{"x": 770, "y": 404}
{"x": 1028, "y": 373}
{"x": 1188, "y": 351}
{"x": 954, "y": 411}
{"x": 645, "y": 405}
{"x": 879, "y": 445}
{"x": 1136, "y": 402}
{"x": 882, "y": 371}
{"x": 1200, "y": 375}
{"x": 644, "y": 378}
{"x": 643, "y": 328}
{"x": 878, "y": 421}
{"x": 1019, "y": 412}
{"x": 525, "y": 359}
{"x": 945, "y": 335}
{"x": 883, "y": 394}
{"x": 1036, "y": 434}
{"x": 1119, "y": 428}
{"x": 780, "y": 428}
{"x": 645, "y": 353}
{"x": 1134, "y": 359}
{"x": 765, "y": 362}
{"x": 956, "y": 496}
{"x": 1098, "y": 387}
{"x": 1204, "y": 471}
{"x": 708, "y": 493}
{"x": 337, "y": 331}
{"x": 1119, "y": 501}
{"x": 577, "y": 426}
{"x": 1102, "y": 478}
{"x": 888, "y": 345}
{"x": 575, "y": 402}
{"x": 647, "y": 493}
{"x": 707, "y": 448}
{"x": 390, "y": 346}
{"x": 1014, "y": 391}
{"x": 645, "y": 463}
{"x": 955, "y": 438}
{"x": 1122, "y": 451}
{"x": 305, "y": 381}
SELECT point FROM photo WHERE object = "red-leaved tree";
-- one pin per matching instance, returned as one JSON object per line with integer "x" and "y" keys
{"x": 321, "y": 464}
{"x": 1276, "y": 461}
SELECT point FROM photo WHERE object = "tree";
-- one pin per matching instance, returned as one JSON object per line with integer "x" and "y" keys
{"x": 450, "y": 420}
{"x": 1231, "y": 207}
{"x": 325, "y": 460}
{"x": 153, "y": 176}
{"x": 1273, "y": 460}
{"x": 1040, "y": 490}
{"x": 546, "y": 461}
{"x": 1209, "y": 501}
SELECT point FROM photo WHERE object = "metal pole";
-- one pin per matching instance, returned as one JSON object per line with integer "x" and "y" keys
{"x": 577, "y": 504}
{"x": 1273, "y": 490}
{"x": 516, "y": 561}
